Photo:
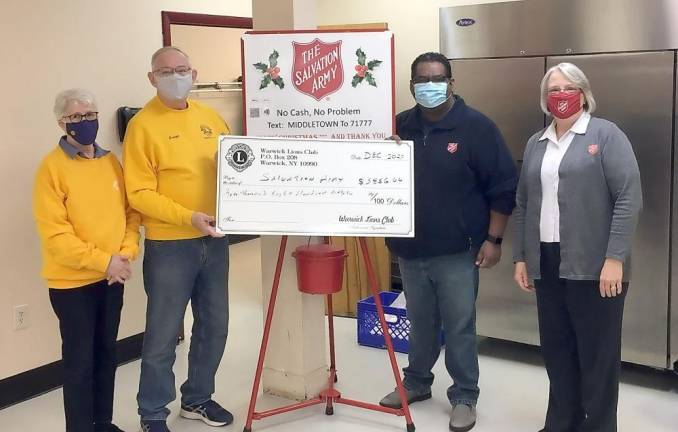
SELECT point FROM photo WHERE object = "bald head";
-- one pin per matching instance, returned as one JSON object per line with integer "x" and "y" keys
{"x": 169, "y": 55}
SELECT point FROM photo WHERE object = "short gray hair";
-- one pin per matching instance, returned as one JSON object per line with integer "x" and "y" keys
{"x": 75, "y": 94}
{"x": 166, "y": 49}
{"x": 576, "y": 77}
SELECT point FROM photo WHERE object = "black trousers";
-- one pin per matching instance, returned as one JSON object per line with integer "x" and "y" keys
{"x": 580, "y": 334}
{"x": 89, "y": 317}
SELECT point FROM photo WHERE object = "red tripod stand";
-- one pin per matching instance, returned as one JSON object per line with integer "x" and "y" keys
{"x": 330, "y": 395}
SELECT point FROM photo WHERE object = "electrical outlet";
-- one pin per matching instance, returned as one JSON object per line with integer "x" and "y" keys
{"x": 20, "y": 317}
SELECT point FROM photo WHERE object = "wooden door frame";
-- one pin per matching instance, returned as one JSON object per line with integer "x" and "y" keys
{"x": 203, "y": 20}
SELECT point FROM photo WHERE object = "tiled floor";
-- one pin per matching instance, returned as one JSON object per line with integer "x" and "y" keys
{"x": 513, "y": 383}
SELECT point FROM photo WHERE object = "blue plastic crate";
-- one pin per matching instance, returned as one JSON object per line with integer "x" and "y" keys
{"x": 369, "y": 327}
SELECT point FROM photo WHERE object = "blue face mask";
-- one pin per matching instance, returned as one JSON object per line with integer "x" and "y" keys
{"x": 84, "y": 132}
{"x": 430, "y": 94}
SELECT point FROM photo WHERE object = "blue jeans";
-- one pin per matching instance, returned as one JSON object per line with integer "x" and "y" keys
{"x": 176, "y": 271}
{"x": 442, "y": 290}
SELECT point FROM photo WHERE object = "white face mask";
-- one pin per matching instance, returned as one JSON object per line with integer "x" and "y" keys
{"x": 175, "y": 86}
{"x": 431, "y": 94}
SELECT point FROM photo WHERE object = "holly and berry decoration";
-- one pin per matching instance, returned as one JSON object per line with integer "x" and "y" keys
{"x": 271, "y": 71}
{"x": 363, "y": 70}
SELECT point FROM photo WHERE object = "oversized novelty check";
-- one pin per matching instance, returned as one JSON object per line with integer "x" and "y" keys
{"x": 315, "y": 187}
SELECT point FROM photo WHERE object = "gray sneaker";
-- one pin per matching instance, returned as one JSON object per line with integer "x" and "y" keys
{"x": 392, "y": 400}
{"x": 462, "y": 417}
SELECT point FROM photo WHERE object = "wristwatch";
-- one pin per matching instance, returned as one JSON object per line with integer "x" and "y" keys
{"x": 495, "y": 240}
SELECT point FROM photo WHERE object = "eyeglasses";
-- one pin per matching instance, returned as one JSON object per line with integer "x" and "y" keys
{"x": 567, "y": 89}
{"x": 77, "y": 117}
{"x": 168, "y": 71}
{"x": 435, "y": 79}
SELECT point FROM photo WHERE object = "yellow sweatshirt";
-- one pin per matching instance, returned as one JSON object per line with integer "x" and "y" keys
{"x": 170, "y": 166}
{"x": 83, "y": 218}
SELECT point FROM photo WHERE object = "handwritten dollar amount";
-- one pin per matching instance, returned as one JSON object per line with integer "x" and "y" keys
{"x": 376, "y": 198}
{"x": 369, "y": 181}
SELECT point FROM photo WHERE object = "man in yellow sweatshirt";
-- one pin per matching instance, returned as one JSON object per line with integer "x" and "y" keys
{"x": 170, "y": 174}
{"x": 88, "y": 235}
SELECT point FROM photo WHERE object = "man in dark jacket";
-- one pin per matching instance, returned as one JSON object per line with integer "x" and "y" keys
{"x": 465, "y": 183}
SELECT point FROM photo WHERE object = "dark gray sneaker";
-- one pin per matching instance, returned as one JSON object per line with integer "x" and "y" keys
{"x": 462, "y": 417}
{"x": 392, "y": 400}
{"x": 154, "y": 426}
{"x": 209, "y": 412}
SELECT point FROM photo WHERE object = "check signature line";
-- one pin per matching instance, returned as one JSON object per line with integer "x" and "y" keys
{"x": 268, "y": 221}
{"x": 361, "y": 225}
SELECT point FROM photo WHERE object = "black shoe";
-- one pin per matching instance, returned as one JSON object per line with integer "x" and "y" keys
{"x": 106, "y": 427}
{"x": 154, "y": 426}
{"x": 209, "y": 412}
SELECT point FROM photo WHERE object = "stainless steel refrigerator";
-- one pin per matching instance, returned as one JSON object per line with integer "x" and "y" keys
{"x": 499, "y": 53}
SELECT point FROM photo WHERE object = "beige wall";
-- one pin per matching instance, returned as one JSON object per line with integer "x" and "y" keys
{"x": 414, "y": 24}
{"x": 48, "y": 46}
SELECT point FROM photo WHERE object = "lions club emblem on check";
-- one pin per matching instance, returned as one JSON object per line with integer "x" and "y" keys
{"x": 240, "y": 157}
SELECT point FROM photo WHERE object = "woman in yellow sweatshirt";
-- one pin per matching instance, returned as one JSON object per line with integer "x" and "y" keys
{"x": 89, "y": 235}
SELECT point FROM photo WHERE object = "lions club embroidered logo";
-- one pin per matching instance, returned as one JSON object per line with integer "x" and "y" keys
{"x": 593, "y": 149}
{"x": 206, "y": 130}
{"x": 452, "y": 147}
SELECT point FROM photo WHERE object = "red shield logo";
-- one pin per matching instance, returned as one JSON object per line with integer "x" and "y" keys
{"x": 593, "y": 149}
{"x": 317, "y": 70}
{"x": 562, "y": 106}
{"x": 452, "y": 147}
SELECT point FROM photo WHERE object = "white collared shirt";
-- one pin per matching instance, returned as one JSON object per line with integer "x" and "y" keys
{"x": 549, "y": 222}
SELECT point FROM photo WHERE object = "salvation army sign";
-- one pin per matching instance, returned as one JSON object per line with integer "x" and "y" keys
{"x": 317, "y": 70}
{"x": 322, "y": 85}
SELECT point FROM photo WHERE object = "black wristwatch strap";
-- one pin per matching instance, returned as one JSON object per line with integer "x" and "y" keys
{"x": 495, "y": 240}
